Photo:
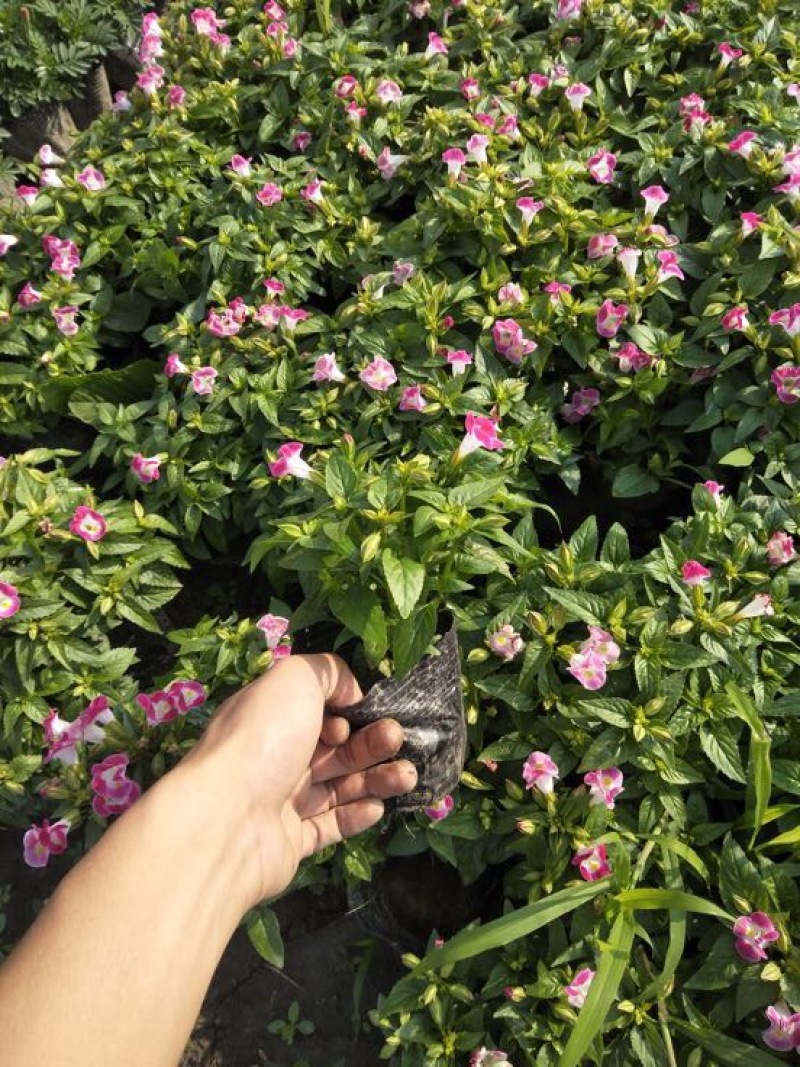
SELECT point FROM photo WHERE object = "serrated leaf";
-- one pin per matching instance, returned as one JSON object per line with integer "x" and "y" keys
{"x": 405, "y": 579}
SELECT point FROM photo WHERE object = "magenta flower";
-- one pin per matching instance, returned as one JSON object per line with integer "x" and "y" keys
{"x": 736, "y": 318}
{"x": 743, "y": 143}
{"x": 65, "y": 319}
{"x": 783, "y": 1033}
{"x": 174, "y": 365}
{"x": 312, "y": 193}
{"x": 566, "y": 10}
{"x": 557, "y": 290}
{"x": 694, "y": 573}
{"x": 583, "y": 402}
{"x": 47, "y": 157}
{"x": 7, "y": 240}
{"x": 301, "y": 140}
{"x": 459, "y": 359}
{"x": 63, "y": 737}
{"x": 505, "y": 642}
{"x": 113, "y": 791}
{"x": 269, "y": 194}
{"x": 205, "y": 21}
{"x": 150, "y": 79}
{"x": 203, "y": 380}
{"x": 9, "y": 600}
{"x": 604, "y": 786}
{"x": 388, "y": 162}
{"x": 510, "y": 293}
{"x": 602, "y": 244}
{"x": 289, "y": 462}
{"x": 326, "y": 369}
{"x": 654, "y": 196}
{"x": 28, "y": 297}
{"x": 88, "y": 524}
{"x": 538, "y": 83}
{"x": 668, "y": 266}
{"x": 476, "y": 148}
{"x": 39, "y": 843}
{"x": 631, "y": 358}
{"x": 576, "y": 95}
{"x": 187, "y": 693}
{"x": 788, "y": 318}
{"x": 441, "y": 809}
{"x": 346, "y": 86}
{"x": 388, "y": 91}
{"x": 786, "y": 380}
{"x": 540, "y": 772}
{"x": 27, "y": 194}
{"x": 145, "y": 469}
{"x": 728, "y": 54}
{"x": 751, "y": 220}
{"x": 158, "y": 707}
{"x": 176, "y": 95}
{"x": 529, "y": 208}
{"x": 455, "y": 160}
{"x": 752, "y": 932}
{"x": 715, "y": 489}
{"x": 601, "y": 166}
{"x": 780, "y": 548}
{"x": 510, "y": 340}
{"x": 379, "y": 374}
{"x": 592, "y": 862}
{"x": 411, "y": 399}
{"x": 485, "y": 1057}
{"x": 601, "y": 642}
{"x": 578, "y": 988}
{"x": 791, "y": 188}
{"x": 241, "y": 165}
{"x": 610, "y": 317}
{"x": 482, "y": 432}
{"x": 91, "y": 179}
{"x": 509, "y": 127}
{"x": 292, "y": 316}
{"x": 273, "y": 627}
{"x": 436, "y": 46}
{"x": 588, "y": 668}
{"x": 470, "y": 89}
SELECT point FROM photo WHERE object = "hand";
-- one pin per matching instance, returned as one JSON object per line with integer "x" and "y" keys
{"x": 304, "y": 781}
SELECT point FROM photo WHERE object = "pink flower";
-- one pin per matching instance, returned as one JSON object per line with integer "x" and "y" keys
{"x": 64, "y": 256}
{"x": 736, "y": 318}
{"x": 715, "y": 489}
{"x": 589, "y": 669}
{"x": 786, "y": 380}
{"x": 788, "y": 318}
{"x": 28, "y": 297}
{"x": 122, "y": 102}
{"x": 505, "y": 642}
{"x": 51, "y": 179}
{"x": 187, "y": 694}
{"x": 269, "y": 194}
{"x": 592, "y": 862}
{"x": 791, "y": 188}
{"x": 224, "y": 323}
{"x": 65, "y": 319}
{"x": 485, "y": 1057}
{"x": 176, "y": 95}
{"x": 41, "y": 842}
{"x": 241, "y": 165}
{"x": 578, "y": 988}
{"x": 145, "y": 469}
{"x": 510, "y": 293}
{"x": 47, "y": 157}
{"x": 476, "y": 148}
{"x": 793, "y": 90}
{"x": 455, "y": 160}
{"x": 556, "y": 290}
{"x": 402, "y": 271}
{"x": 539, "y": 771}
{"x": 668, "y": 266}
{"x": 9, "y": 600}
{"x": 326, "y": 369}
{"x": 274, "y": 11}
{"x": 728, "y": 54}
{"x": 441, "y": 809}
{"x": 752, "y": 932}
{"x": 601, "y": 166}
{"x": 388, "y": 91}
{"x": 205, "y": 21}
{"x": 631, "y": 358}
{"x": 301, "y": 140}
{"x": 150, "y": 48}
{"x": 601, "y": 642}
{"x": 92, "y": 179}
{"x": 470, "y": 89}
{"x": 281, "y": 652}
{"x": 695, "y": 121}
{"x": 538, "y": 83}
{"x": 654, "y": 196}
{"x": 273, "y": 627}
{"x": 567, "y": 10}
{"x": 355, "y": 112}
{"x": 150, "y": 79}
{"x": 784, "y": 1028}
{"x": 113, "y": 791}
{"x": 411, "y": 399}
{"x": 459, "y": 359}
{"x": 743, "y": 143}
{"x": 268, "y": 316}
{"x": 510, "y": 340}
{"x": 604, "y": 786}
{"x": 174, "y": 365}
{"x": 780, "y": 548}
{"x": 576, "y": 95}
{"x": 436, "y": 46}
{"x": 379, "y": 374}
{"x": 628, "y": 259}
{"x": 418, "y": 9}
{"x": 751, "y": 221}
{"x": 7, "y": 240}
{"x": 602, "y": 244}
{"x": 583, "y": 402}
{"x": 694, "y": 573}
{"x": 289, "y": 462}
{"x": 27, "y": 194}
{"x": 610, "y": 317}
{"x": 346, "y": 86}
{"x": 529, "y": 208}
{"x": 312, "y": 193}
{"x": 509, "y": 127}
{"x": 292, "y": 316}
{"x": 158, "y": 707}
{"x": 388, "y": 162}
{"x": 759, "y": 606}
{"x": 203, "y": 380}
{"x": 88, "y": 524}
{"x": 482, "y": 432}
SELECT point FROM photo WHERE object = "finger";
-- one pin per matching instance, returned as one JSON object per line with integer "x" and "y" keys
{"x": 384, "y": 781}
{"x": 372, "y": 744}
{"x": 335, "y": 730}
{"x": 338, "y": 823}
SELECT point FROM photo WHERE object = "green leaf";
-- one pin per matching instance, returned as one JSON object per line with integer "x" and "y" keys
{"x": 587, "y": 607}
{"x": 631, "y": 480}
{"x": 677, "y": 930}
{"x": 720, "y": 747}
{"x": 341, "y": 481}
{"x": 411, "y": 638}
{"x": 616, "y": 550}
{"x": 671, "y": 899}
{"x": 725, "y": 1050}
{"x": 264, "y": 932}
{"x": 611, "y": 969}
{"x": 360, "y": 610}
{"x": 405, "y": 578}
{"x": 759, "y": 767}
{"x": 739, "y": 457}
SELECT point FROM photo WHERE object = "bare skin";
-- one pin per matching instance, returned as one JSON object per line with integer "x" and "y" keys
{"x": 116, "y": 967}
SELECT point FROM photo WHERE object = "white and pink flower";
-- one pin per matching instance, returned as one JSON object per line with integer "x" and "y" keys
{"x": 436, "y": 46}
{"x": 9, "y": 600}
{"x": 91, "y": 179}
{"x": 113, "y": 791}
{"x": 7, "y": 241}
{"x": 601, "y": 166}
{"x": 388, "y": 91}
{"x": 459, "y": 359}
{"x": 581, "y": 403}
{"x": 600, "y": 245}
{"x": 39, "y": 843}
{"x": 736, "y": 318}
{"x": 668, "y": 266}
{"x": 510, "y": 340}
{"x": 88, "y": 524}
{"x": 752, "y": 932}
{"x": 788, "y": 318}
{"x": 610, "y": 317}
{"x": 379, "y": 374}
{"x": 576, "y": 992}
{"x": 654, "y": 196}
{"x": 411, "y": 399}
{"x": 592, "y": 862}
{"x": 576, "y": 95}
{"x": 780, "y": 548}
{"x": 528, "y": 208}
{"x": 65, "y": 319}
{"x": 589, "y": 669}
{"x": 751, "y": 221}
{"x": 481, "y": 432}
{"x": 441, "y": 809}
{"x": 269, "y": 194}
{"x": 540, "y": 771}
{"x": 455, "y": 160}
{"x": 274, "y": 629}
{"x": 289, "y": 462}
{"x": 146, "y": 469}
{"x": 604, "y": 786}
{"x": 505, "y": 642}
{"x": 694, "y": 573}
{"x": 203, "y": 380}
{"x": 786, "y": 380}
{"x": 388, "y": 163}
{"x": 783, "y": 1033}
{"x": 631, "y": 358}
{"x": 326, "y": 369}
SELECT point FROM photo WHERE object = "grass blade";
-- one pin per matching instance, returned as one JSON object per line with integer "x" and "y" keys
{"x": 725, "y": 1050}
{"x": 673, "y": 899}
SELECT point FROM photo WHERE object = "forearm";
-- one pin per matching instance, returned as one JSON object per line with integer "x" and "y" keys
{"x": 116, "y": 967}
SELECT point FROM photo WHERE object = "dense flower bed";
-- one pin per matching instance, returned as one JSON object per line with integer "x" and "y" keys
{"x": 349, "y": 291}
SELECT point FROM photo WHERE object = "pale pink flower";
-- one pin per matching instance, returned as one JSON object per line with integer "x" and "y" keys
{"x": 203, "y": 380}
{"x": 145, "y": 469}
{"x": 28, "y": 297}
{"x": 628, "y": 258}
{"x": 47, "y": 157}
{"x": 694, "y": 573}
{"x": 176, "y": 95}
{"x": 695, "y": 122}
{"x": 589, "y": 669}
{"x": 92, "y": 179}
{"x": 786, "y": 380}
{"x": 459, "y": 359}
{"x": 9, "y": 600}
{"x": 388, "y": 162}
{"x": 743, "y": 143}
{"x": 538, "y": 83}
{"x": 791, "y": 162}
{"x": 355, "y": 112}
{"x": 65, "y": 319}
{"x": 654, "y": 196}
{"x": 736, "y": 318}
{"x": 601, "y": 166}
{"x": 485, "y": 1057}
{"x": 402, "y": 271}
{"x": 269, "y": 194}
{"x": 470, "y": 89}
{"x": 510, "y": 340}
{"x": 290, "y": 462}
{"x": 150, "y": 48}
{"x": 791, "y": 188}
{"x": 728, "y": 54}
{"x": 436, "y": 46}
{"x": 411, "y": 399}
{"x": 631, "y": 358}
{"x": 7, "y": 240}
{"x": 223, "y": 324}
{"x": 88, "y": 524}
{"x": 113, "y": 791}
{"x": 326, "y": 369}
{"x": 150, "y": 79}
{"x": 205, "y": 21}
{"x": 576, "y": 992}
{"x": 50, "y": 179}
{"x": 602, "y": 244}
{"x": 441, "y": 809}
{"x": 601, "y": 642}
{"x": 122, "y": 101}
{"x": 292, "y": 316}
{"x": 346, "y": 86}
{"x": 540, "y": 772}
{"x": 241, "y": 165}
{"x": 273, "y": 627}
{"x": 419, "y": 9}
{"x": 655, "y": 229}
{"x": 752, "y": 932}
{"x": 582, "y": 402}
{"x": 759, "y": 606}
{"x": 505, "y": 642}
{"x": 793, "y": 90}
{"x": 566, "y": 10}
{"x": 668, "y": 266}
{"x": 312, "y": 193}
{"x": 557, "y": 290}
{"x": 592, "y": 862}
{"x": 510, "y": 293}
{"x": 476, "y": 148}
{"x": 388, "y": 91}
{"x": 481, "y": 432}
{"x": 783, "y": 1033}
{"x": 604, "y": 786}
{"x": 174, "y": 365}
{"x": 715, "y": 490}
{"x": 274, "y": 11}
{"x": 27, "y": 194}
{"x": 788, "y": 318}
{"x": 455, "y": 160}
{"x": 610, "y": 317}
{"x": 268, "y": 316}
{"x": 780, "y": 548}
{"x": 751, "y": 221}
{"x": 379, "y": 374}
{"x": 529, "y": 208}
{"x": 39, "y": 843}
{"x": 576, "y": 95}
